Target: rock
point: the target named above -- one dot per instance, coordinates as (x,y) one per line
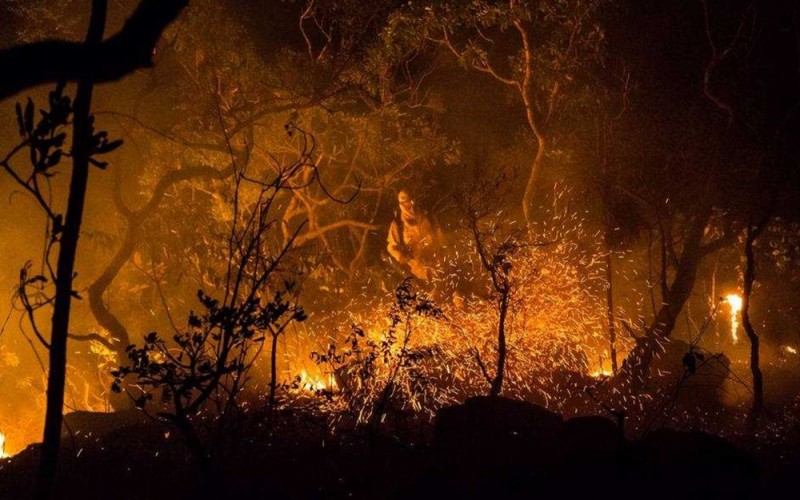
(590,435)
(497,447)
(676,464)
(590,464)
(498,426)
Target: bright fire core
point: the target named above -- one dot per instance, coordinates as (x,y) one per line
(735,302)
(3,446)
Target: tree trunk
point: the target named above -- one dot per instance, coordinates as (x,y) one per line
(533,179)
(136,219)
(68,245)
(749,279)
(210,480)
(612,332)
(497,383)
(100,311)
(637,364)
(273,381)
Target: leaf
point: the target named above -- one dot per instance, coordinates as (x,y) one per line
(29,116)
(53,159)
(99,164)
(108,147)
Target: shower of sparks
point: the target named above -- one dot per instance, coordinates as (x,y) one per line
(552,334)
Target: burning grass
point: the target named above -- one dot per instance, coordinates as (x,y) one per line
(419,362)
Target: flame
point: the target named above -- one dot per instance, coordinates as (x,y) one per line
(735,302)
(601,373)
(314,384)
(3,453)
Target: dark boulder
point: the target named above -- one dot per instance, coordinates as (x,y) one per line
(677,464)
(497,447)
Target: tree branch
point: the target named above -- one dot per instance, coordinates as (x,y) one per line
(51,61)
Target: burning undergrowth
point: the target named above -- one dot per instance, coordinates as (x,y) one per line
(436,343)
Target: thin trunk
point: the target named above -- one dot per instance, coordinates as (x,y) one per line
(533,179)
(273,381)
(749,279)
(65,268)
(497,383)
(100,311)
(685,275)
(535,122)
(210,480)
(135,219)
(612,332)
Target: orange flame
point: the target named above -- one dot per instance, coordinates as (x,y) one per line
(735,302)
(3,453)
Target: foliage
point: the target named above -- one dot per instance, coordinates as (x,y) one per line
(203,371)
(210,359)
(380,374)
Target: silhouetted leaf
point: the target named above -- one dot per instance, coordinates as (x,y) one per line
(29,116)
(108,147)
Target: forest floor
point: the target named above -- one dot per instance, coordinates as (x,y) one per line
(484,448)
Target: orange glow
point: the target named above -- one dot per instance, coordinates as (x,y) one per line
(602,373)
(316,384)
(735,302)
(3,453)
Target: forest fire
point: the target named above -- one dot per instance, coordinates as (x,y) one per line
(454,248)
(3,453)
(316,384)
(735,304)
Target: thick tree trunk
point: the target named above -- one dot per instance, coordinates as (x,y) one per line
(65,269)
(637,364)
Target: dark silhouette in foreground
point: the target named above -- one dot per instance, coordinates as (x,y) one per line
(488,447)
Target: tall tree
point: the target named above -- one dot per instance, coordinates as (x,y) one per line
(92,61)
(542,60)
(84,145)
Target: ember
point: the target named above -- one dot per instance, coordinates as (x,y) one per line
(384,248)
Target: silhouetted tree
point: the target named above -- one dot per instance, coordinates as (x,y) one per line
(377,375)
(201,375)
(44,139)
(496,241)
